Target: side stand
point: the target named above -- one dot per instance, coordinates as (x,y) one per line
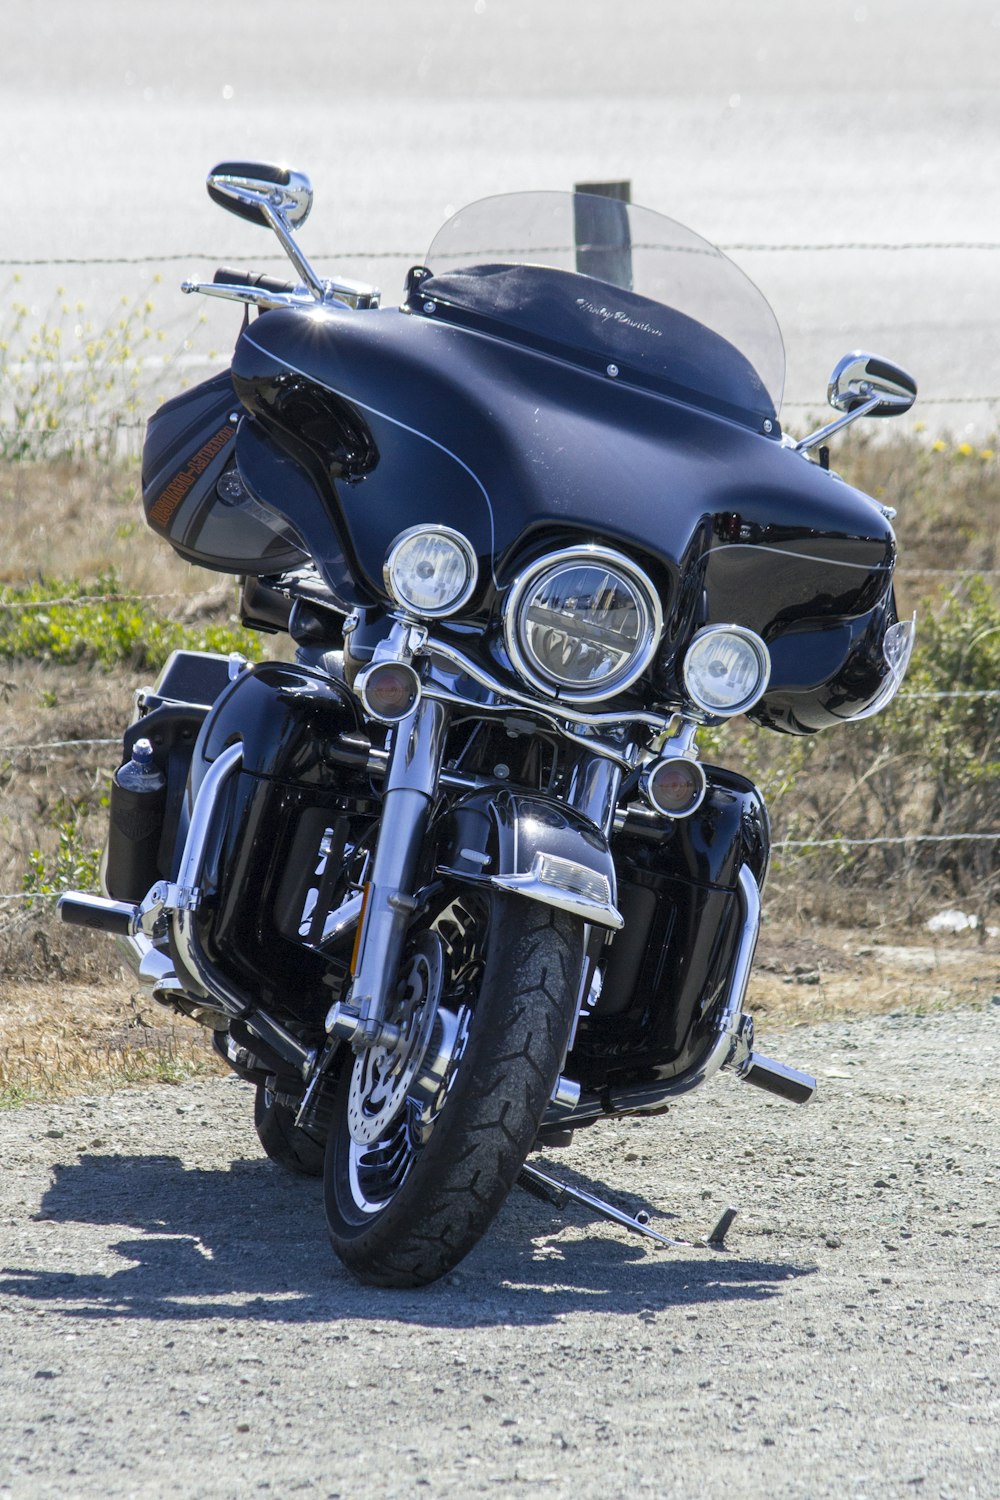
(551,1190)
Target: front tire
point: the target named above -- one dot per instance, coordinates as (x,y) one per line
(403,1209)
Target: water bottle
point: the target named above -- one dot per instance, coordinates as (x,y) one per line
(138,803)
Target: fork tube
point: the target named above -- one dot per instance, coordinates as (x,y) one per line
(410,787)
(593,789)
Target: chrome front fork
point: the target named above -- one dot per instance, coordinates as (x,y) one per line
(409,792)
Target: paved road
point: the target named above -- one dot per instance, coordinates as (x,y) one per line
(172,1322)
(776,123)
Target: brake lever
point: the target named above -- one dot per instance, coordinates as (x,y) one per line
(257,297)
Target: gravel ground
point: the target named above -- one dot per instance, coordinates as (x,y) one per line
(171,1321)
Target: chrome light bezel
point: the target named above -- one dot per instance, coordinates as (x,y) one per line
(744,704)
(462,545)
(638,584)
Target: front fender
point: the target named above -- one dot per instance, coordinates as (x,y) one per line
(534,846)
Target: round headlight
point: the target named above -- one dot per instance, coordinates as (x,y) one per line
(726,669)
(431,570)
(583,624)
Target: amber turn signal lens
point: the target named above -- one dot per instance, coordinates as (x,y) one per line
(675,786)
(388,690)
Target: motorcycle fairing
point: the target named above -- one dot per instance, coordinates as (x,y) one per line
(506,443)
(188,449)
(523,454)
(533,845)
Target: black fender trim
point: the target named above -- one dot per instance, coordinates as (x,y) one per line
(534,846)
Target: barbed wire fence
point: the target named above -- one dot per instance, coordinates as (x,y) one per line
(410,256)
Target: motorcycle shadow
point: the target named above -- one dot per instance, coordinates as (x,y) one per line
(249,1244)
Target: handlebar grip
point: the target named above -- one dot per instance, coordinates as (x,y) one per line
(227,276)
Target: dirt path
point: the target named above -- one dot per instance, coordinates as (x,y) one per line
(171,1322)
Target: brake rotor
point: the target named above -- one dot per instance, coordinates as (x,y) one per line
(381,1080)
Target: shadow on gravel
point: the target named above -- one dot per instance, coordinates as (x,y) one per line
(250,1243)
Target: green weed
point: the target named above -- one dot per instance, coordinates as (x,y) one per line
(73,866)
(94,623)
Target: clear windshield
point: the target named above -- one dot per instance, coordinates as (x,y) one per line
(598,279)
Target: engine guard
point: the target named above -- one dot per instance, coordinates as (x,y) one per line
(534,846)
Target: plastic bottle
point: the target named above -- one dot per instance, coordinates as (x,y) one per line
(138,802)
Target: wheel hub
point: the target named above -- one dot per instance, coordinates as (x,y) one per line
(381,1079)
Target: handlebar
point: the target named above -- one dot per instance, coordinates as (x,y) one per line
(227,276)
(266,292)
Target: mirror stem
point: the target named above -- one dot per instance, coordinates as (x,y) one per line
(291,249)
(815,438)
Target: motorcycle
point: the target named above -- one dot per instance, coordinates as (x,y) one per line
(454,881)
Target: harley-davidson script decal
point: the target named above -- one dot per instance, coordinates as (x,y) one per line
(612,315)
(182,481)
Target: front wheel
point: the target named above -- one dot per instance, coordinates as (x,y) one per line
(425,1147)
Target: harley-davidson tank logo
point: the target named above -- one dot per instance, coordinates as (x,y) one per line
(180,485)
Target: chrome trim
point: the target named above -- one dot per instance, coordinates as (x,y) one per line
(157,975)
(646,785)
(565,1093)
(411,785)
(593,789)
(463,545)
(552,712)
(342,920)
(540,884)
(555,1191)
(643,652)
(804,445)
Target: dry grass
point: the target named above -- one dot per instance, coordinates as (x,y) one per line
(60,1038)
(78,520)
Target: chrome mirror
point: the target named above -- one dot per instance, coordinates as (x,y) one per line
(858,379)
(863,385)
(261,192)
(275,197)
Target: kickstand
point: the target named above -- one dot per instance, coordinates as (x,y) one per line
(551,1190)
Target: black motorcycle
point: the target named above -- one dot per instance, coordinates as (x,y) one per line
(454,882)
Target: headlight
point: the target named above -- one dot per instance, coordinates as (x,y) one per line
(430,570)
(583,624)
(726,669)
